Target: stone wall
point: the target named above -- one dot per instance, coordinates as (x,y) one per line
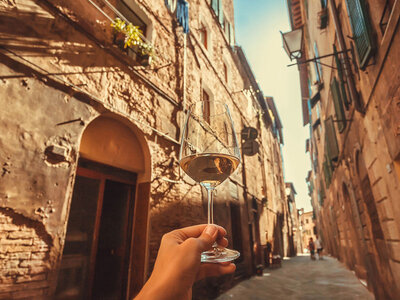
(357,216)
(59,71)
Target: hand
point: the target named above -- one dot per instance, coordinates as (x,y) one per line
(178,263)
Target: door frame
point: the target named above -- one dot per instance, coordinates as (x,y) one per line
(94,170)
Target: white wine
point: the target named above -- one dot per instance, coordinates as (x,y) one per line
(210,169)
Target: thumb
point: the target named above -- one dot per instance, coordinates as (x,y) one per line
(208,237)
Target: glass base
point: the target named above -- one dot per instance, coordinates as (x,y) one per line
(219,255)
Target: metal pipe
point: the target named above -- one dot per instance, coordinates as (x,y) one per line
(342,46)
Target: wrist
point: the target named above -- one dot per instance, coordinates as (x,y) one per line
(160,289)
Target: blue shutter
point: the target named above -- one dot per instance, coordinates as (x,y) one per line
(361,27)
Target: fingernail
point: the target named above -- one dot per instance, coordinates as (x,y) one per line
(210,230)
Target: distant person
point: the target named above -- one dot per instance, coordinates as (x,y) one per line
(311,248)
(319,247)
(268,250)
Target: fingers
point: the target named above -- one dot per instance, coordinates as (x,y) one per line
(212,270)
(196,230)
(223,242)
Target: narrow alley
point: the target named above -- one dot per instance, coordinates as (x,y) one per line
(302,278)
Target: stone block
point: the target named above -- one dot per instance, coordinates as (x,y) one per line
(10,264)
(390,230)
(385,210)
(28,278)
(31,263)
(38,270)
(394,250)
(38,255)
(20,235)
(19,255)
(8,227)
(16,242)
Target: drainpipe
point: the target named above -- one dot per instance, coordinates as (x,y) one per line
(342,46)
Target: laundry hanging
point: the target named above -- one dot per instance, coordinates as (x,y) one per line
(182,14)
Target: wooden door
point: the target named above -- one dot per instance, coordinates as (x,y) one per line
(97,250)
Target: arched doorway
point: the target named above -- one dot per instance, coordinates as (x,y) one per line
(104,253)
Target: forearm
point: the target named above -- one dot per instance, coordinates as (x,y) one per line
(163,290)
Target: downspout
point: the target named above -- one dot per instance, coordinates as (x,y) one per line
(342,46)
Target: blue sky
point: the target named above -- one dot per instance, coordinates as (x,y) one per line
(258,23)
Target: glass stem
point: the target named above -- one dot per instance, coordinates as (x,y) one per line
(210,192)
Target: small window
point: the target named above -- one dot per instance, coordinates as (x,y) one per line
(306,221)
(138,18)
(203,35)
(317,65)
(225,72)
(206,108)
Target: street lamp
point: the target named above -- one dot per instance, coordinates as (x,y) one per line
(293,42)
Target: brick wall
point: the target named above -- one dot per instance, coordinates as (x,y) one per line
(24,257)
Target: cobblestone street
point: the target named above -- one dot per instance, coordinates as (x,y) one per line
(301,278)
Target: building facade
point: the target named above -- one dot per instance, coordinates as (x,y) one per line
(89,133)
(296,238)
(350,78)
(308,229)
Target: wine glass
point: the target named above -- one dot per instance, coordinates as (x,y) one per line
(209,154)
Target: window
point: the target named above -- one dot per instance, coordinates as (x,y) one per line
(338,103)
(206,107)
(331,144)
(137,17)
(362,32)
(317,65)
(218,10)
(225,72)
(203,35)
(306,221)
(228,30)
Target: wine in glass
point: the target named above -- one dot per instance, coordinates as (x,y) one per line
(209,154)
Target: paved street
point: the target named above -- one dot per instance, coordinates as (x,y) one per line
(301,278)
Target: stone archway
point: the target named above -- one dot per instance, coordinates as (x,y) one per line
(106,239)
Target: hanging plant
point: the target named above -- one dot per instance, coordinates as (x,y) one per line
(133,38)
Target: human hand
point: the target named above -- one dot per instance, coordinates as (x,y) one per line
(178,263)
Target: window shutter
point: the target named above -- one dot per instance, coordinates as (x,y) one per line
(231,35)
(214,5)
(337,101)
(332,148)
(317,65)
(327,166)
(341,78)
(361,27)
(220,13)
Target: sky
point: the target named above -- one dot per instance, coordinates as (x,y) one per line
(258,23)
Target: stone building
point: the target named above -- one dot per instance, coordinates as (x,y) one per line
(307,228)
(350,79)
(89,143)
(296,238)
